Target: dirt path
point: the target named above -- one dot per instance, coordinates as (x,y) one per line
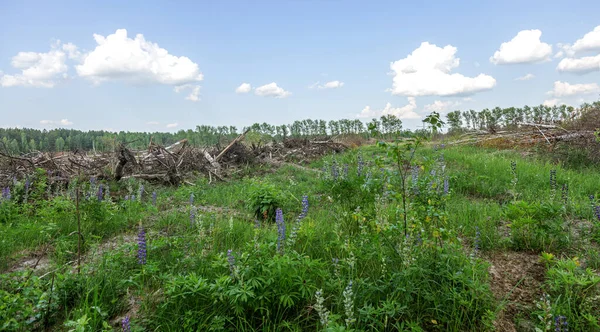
(516,279)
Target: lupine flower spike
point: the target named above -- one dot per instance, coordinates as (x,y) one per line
(142,246)
(231,261)
(126,325)
(280,229)
(100,193)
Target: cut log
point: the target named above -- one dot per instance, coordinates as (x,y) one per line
(239,138)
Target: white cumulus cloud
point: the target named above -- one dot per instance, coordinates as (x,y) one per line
(551,102)
(525,47)
(40,69)
(62,122)
(526,77)
(405,112)
(564,89)
(590,42)
(243,88)
(582,65)
(427,71)
(328,85)
(118,57)
(271,90)
(172,125)
(441,106)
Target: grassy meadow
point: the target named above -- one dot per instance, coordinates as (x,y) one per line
(382,237)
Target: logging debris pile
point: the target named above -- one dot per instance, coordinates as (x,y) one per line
(165,165)
(527,134)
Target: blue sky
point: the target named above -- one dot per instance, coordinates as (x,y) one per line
(294,44)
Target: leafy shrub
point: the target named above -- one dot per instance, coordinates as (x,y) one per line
(574,293)
(537,226)
(264,199)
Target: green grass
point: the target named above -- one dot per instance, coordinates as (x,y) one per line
(434,279)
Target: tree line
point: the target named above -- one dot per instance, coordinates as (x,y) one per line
(27,140)
(496,118)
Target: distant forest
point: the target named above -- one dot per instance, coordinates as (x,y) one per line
(23,141)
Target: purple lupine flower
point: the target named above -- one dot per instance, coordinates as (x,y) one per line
(125,324)
(132,198)
(142,246)
(560,324)
(334,171)
(231,261)
(192,199)
(443,146)
(597,212)
(6,193)
(140,192)
(345,171)
(593,201)
(93,181)
(192,216)
(415,173)
(280,229)
(154,198)
(304,212)
(446,186)
(419,239)
(27,185)
(126,197)
(99,193)
(360,166)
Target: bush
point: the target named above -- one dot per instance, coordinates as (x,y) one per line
(574,293)
(537,226)
(263,200)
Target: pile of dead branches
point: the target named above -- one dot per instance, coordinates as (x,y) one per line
(159,164)
(526,134)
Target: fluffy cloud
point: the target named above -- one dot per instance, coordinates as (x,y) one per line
(564,89)
(243,88)
(328,85)
(404,112)
(441,106)
(551,102)
(527,77)
(172,125)
(40,69)
(525,47)
(582,65)
(118,57)
(194,91)
(590,42)
(63,122)
(271,90)
(427,71)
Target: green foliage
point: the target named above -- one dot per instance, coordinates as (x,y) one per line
(434,122)
(24,301)
(392,244)
(574,293)
(537,226)
(263,200)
